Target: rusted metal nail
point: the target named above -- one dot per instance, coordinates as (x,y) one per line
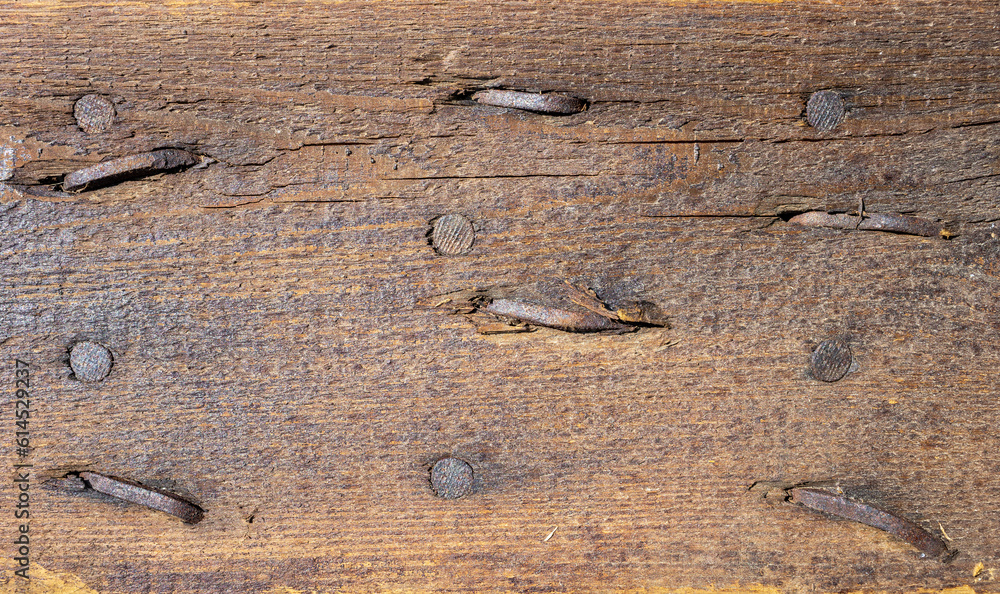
(831,360)
(555,317)
(557,310)
(594,315)
(825,110)
(90,361)
(452,234)
(840,505)
(136,493)
(94,113)
(126,168)
(823,219)
(897,223)
(892,223)
(537,102)
(451,478)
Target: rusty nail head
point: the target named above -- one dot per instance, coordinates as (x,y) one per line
(451,478)
(825,110)
(537,102)
(94,113)
(452,234)
(831,360)
(90,361)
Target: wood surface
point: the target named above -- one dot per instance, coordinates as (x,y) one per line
(279,359)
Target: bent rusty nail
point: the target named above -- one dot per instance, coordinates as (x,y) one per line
(553,317)
(127,168)
(537,102)
(897,223)
(136,493)
(838,504)
(594,316)
(892,223)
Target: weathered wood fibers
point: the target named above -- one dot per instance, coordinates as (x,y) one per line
(285,374)
(275,361)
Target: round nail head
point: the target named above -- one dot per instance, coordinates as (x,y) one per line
(451,478)
(90,361)
(452,235)
(831,360)
(825,110)
(94,113)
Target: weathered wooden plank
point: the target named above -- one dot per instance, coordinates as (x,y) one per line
(691,57)
(334,446)
(948,175)
(280,361)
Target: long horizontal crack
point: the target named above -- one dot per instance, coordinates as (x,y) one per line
(967,179)
(709,216)
(919,132)
(270,200)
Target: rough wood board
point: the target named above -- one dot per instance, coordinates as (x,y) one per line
(278,358)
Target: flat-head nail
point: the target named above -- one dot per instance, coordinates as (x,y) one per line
(452,235)
(94,113)
(451,478)
(825,110)
(90,361)
(831,360)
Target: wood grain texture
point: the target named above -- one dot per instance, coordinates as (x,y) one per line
(279,361)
